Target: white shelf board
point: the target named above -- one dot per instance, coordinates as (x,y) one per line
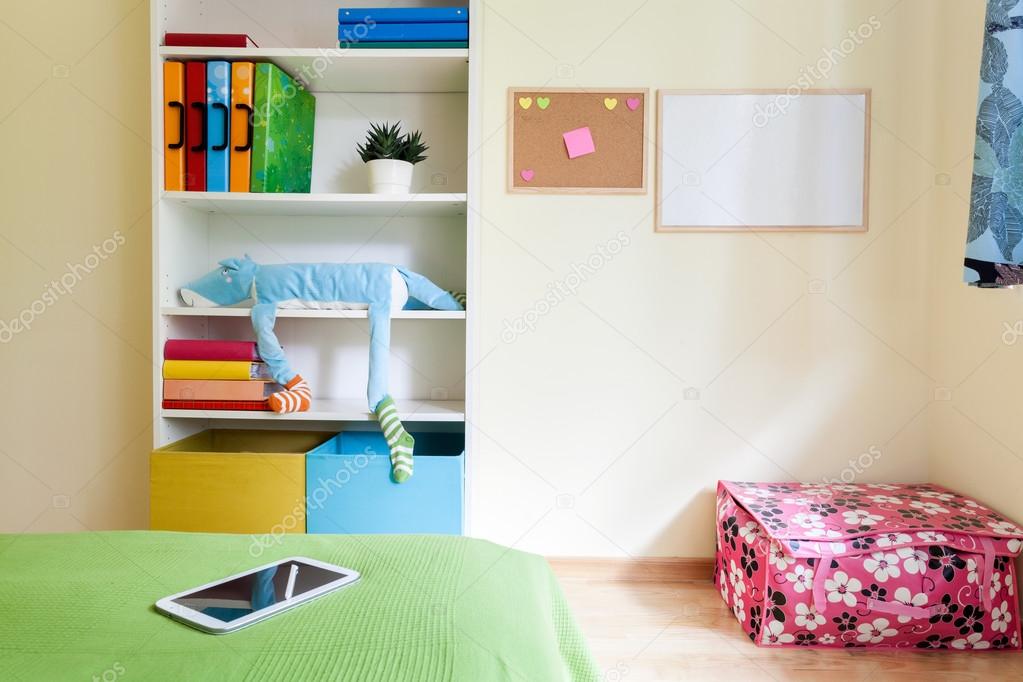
(352,70)
(325,314)
(340,410)
(376,205)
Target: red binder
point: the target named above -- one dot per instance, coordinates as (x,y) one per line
(195,126)
(208,40)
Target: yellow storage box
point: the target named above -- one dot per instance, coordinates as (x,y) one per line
(232,481)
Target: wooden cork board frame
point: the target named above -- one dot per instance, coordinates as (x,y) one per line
(536,146)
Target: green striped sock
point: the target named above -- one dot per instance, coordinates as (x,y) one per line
(399,440)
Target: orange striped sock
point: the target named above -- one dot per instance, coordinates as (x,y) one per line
(296,397)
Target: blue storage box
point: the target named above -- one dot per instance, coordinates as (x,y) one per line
(349,487)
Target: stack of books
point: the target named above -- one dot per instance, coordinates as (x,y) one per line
(403,27)
(215,375)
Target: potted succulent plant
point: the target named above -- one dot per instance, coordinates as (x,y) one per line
(390,157)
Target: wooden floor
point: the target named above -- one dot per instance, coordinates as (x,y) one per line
(661,630)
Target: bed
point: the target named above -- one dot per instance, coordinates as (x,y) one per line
(80,606)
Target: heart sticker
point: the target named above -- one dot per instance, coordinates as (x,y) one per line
(527,175)
(543,102)
(525,102)
(632,103)
(610,103)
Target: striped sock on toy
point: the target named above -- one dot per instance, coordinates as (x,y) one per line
(398,439)
(296,397)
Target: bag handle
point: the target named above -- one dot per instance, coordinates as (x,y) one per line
(820,599)
(900,609)
(989,570)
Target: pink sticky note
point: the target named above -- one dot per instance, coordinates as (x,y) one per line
(579,142)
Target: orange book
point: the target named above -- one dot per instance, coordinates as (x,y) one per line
(242,86)
(174,126)
(213,389)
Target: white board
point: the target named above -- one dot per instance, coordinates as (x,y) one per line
(737,160)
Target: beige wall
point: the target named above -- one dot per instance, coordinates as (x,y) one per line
(74,133)
(586,441)
(976,440)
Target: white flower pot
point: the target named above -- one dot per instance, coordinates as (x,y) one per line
(389,176)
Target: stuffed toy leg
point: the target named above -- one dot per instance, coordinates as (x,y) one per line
(375,287)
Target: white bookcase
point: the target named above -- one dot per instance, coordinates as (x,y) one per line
(430,231)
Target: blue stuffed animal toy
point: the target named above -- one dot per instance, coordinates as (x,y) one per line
(375,287)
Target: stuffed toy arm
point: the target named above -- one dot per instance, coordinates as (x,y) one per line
(264,316)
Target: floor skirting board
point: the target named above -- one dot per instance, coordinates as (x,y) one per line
(635,569)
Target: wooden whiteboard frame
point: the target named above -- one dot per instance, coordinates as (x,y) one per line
(865,92)
(512,189)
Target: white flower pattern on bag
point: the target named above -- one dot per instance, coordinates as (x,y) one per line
(875,632)
(801,578)
(779,558)
(914,561)
(861,517)
(841,588)
(807,617)
(883,566)
(931,508)
(973,641)
(775,634)
(1000,617)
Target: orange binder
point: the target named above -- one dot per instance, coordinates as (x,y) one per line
(174,126)
(242,86)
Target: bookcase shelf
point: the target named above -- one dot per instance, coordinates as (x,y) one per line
(352,70)
(337,205)
(314,314)
(339,410)
(435,91)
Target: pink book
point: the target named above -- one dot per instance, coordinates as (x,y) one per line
(202,349)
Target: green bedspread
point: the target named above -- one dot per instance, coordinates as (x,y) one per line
(80,607)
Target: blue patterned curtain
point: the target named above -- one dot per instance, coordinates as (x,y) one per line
(993,251)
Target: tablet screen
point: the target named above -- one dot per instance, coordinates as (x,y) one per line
(258,590)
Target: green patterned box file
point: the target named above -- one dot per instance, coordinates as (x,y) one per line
(282,133)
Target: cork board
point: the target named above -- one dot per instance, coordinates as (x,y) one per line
(577,141)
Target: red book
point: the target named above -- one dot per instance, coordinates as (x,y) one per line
(201,349)
(208,40)
(243,405)
(195,126)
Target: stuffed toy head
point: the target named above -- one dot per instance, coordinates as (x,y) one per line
(229,284)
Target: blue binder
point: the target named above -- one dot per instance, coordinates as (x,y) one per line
(402,15)
(374,33)
(218,126)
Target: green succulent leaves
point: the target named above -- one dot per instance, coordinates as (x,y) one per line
(386,141)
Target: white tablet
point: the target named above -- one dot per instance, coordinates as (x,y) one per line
(240,600)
